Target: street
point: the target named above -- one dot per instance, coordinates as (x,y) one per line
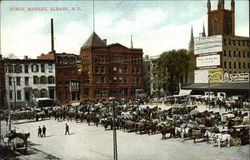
(91,142)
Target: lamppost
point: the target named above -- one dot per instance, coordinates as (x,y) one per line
(112,99)
(209,78)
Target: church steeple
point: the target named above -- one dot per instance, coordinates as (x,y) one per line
(131,43)
(191,42)
(221,21)
(203,32)
(208,5)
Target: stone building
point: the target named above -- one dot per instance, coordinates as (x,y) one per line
(109,70)
(27,79)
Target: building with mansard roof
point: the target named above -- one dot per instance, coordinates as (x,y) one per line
(109,70)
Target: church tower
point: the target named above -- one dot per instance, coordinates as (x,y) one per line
(221,21)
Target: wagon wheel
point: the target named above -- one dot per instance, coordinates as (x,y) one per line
(236,141)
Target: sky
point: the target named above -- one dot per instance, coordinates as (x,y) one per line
(156,26)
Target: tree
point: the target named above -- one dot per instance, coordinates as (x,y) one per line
(171,69)
(11,56)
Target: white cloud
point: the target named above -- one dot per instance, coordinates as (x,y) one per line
(24,38)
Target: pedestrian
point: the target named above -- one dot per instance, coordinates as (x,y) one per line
(67,129)
(44,131)
(39,131)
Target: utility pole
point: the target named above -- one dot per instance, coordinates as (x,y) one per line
(208,92)
(114,130)
(9,108)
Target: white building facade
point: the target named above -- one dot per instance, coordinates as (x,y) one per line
(28,79)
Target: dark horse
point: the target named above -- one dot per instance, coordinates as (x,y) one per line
(13,134)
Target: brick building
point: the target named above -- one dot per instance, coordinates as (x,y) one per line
(222,58)
(109,70)
(67,83)
(2,84)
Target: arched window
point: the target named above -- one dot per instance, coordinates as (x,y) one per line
(59,60)
(216,27)
(228,26)
(35,93)
(66,60)
(43,80)
(43,93)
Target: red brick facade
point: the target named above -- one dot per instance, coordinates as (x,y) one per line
(66,75)
(110,71)
(221,21)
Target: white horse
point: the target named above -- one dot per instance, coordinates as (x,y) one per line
(222,138)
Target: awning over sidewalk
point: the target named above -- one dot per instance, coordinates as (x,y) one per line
(224,86)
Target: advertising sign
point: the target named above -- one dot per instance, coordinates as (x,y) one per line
(236,77)
(213,60)
(215,75)
(209,44)
(201,76)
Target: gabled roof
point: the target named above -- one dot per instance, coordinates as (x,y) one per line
(93,41)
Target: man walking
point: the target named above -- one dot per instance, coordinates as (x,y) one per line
(67,129)
(39,131)
(44,131)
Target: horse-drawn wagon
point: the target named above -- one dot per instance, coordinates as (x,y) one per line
(16,141)
(240,135)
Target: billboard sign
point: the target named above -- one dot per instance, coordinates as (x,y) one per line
(204,45)
(215,75)
(204,61)
(236,77)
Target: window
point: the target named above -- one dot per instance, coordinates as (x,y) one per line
(18,68)
(244,65)
(229,53)
(26,81)
(235,65)
(225,53)
(10,68)
(50,80)
(35,68)
(225,64)
(85,92)
(228,26)
(43,93)
(239,54)
(42,68)
(230,65)
(244,55)
(26,68)
(19,95)
(11,94)
(43,80)
(239,65)
(35,80)
(36,93)
(50,68)
(10,81)
(125,79)
(234,53)
(215,27)
(18,81)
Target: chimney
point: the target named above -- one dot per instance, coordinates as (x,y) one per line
(105,41)
(25,57)
(52,36)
